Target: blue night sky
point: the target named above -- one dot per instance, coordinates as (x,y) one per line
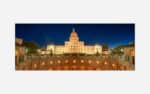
(109,34)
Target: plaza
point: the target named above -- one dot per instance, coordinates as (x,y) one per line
(74,63)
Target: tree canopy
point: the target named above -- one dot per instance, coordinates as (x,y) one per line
(31,47)
(117,50)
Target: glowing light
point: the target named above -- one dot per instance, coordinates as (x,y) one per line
(90,61)
(97,62)
(113,65)
(17,53)
(66,61)
(51,62)
(35,65)
(82,61)
(105,63)
(74,61)
(58,61)
(43,63)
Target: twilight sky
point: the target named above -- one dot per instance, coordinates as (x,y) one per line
(109,34)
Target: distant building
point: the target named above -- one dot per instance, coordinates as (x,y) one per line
(74,46)
(105,50)
(18,41)
(129,53)
(19,50)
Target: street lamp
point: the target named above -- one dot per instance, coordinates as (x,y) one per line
(26,50)
(121,50)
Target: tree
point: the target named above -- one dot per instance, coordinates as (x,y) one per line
(31,47)
(118,49)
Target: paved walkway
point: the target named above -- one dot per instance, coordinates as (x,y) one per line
(73,63)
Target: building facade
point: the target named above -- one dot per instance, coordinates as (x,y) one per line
(74,46)
(129,54)
(19,50)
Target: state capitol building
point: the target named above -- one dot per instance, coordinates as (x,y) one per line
(74,46)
